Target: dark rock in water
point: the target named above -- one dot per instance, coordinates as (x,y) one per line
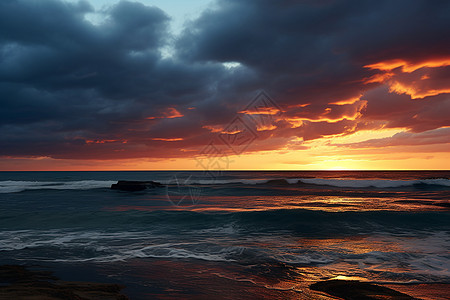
(131,186)
(276,182)
(17,282)
(356,290)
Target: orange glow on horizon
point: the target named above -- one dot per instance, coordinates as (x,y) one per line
(327,153)
(292,160)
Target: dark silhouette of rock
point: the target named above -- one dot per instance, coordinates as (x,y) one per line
(356,290)
(131,186)
(276,182)
(17,282)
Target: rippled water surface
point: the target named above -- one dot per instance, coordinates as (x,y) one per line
(212,235)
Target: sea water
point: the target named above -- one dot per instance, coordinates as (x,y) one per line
(231,235)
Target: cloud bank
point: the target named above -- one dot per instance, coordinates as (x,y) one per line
(71,89)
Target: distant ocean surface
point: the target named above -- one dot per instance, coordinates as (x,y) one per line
(234,234)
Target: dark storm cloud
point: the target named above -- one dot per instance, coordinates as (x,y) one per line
(317,48)
(73,89)
(65,80)
(316,52)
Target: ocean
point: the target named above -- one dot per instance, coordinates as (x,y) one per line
(233,234)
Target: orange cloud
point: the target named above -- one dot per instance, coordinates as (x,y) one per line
(170,113)
(414,92)
(299,105)
(236,131)
(261,111)
(213,129)
(349,110)
(173,113)
(378,78)
(266,127)
(390,65)
(346,101)
(404,77)
(387,65)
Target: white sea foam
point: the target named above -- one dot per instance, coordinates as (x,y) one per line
(12,186)
(418,257)
(175,251)
(378,183)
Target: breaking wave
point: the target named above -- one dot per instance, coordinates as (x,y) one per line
(347,183)
(12,186)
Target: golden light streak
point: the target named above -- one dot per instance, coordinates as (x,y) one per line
(351,116)
(297,122)
(395,158)
(231,131)
(364,135)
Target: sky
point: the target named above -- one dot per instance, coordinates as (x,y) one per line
(206,85)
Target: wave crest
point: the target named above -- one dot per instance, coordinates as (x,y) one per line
(12,186)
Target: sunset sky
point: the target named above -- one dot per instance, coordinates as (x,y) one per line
(257,84)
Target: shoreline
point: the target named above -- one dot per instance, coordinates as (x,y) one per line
(20,282)
(33,282)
